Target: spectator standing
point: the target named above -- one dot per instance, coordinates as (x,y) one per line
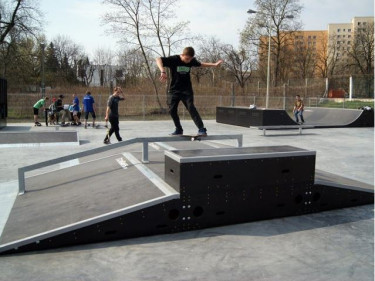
(112,114)
(38,105)
(89,107)
(76,110)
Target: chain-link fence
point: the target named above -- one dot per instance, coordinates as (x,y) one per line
(147,107)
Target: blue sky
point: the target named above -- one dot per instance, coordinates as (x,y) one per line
(224,19)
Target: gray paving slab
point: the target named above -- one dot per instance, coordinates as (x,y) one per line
(27,138)
(334,245)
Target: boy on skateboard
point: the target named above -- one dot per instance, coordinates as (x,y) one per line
(298,109)
(180,88)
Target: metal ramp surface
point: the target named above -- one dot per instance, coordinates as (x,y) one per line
(66,199)
(322,117)
(95,189)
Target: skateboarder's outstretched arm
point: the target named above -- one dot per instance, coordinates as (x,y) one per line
(211,64)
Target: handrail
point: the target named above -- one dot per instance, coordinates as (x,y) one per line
(145,141)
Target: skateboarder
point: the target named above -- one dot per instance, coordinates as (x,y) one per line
(298,109)
(112,114)
(180,88)
(89,107)
(39,104)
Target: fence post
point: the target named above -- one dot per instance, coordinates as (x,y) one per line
(351,88)
(284,96)
(143,108)
(306,83)
(100,107)
(233,96)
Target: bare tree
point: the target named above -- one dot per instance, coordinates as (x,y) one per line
(68,54)
(22,15)
(279,25)
(209,49)
(145,25)
(103,56)
(362,50)
(304,61)
(238,63)
(133,63)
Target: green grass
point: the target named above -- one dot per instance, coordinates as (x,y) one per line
(346,104)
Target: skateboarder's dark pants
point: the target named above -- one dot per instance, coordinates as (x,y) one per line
(114,128)
(187,98)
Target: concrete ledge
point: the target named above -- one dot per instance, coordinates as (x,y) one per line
(37,139)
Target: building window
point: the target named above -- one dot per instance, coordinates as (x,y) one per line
(349,36)
(349,30)
(343,30)
(314,37)
(338,30)
(348,42)
(364,23)
(338,42)
(338,36)
(343,36)
(359,23)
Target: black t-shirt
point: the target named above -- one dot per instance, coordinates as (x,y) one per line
(58,104)
(113,105)
(180,72)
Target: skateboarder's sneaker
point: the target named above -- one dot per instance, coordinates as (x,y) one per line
(38,124)
(177,132)
(202,132)
(107,141)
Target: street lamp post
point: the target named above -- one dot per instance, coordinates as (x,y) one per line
(269,51)
(42,46)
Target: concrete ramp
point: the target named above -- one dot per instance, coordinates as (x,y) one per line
(318,117)
(322,117)
(89,193)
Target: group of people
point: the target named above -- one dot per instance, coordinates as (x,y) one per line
(180,90)
(57,109)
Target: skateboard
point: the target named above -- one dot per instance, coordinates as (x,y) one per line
(97,126)
(194,137)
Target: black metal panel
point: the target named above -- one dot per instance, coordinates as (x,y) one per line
(3,103)
(246,117)
(366,119)
(215,206)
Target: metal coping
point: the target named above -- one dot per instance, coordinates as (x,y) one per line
(241,154)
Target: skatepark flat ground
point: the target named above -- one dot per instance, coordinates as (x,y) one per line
(334,245)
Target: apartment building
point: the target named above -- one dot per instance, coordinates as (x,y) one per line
(323,45)
(341,36)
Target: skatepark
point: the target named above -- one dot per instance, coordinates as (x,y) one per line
(331,244)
